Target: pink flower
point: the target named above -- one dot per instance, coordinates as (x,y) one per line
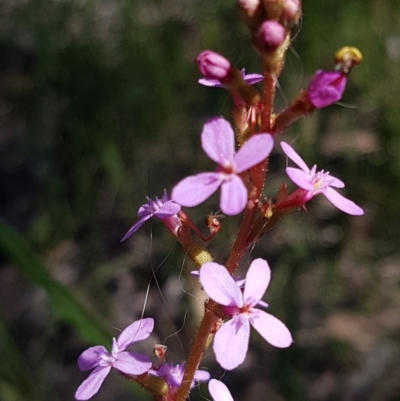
(166,210)
(250,79)
(315,183)
(219,391)
(232,340)
(101,361)
(173,375)
(326,88)
(218,141)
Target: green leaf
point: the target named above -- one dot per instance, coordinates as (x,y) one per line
(16,382)
(65,302)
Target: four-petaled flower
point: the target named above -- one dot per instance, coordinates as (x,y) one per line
(101,361)
(232,339)
(173,375)
(315,182)
(166,210)
(218,142)
(250,79)
(219,391)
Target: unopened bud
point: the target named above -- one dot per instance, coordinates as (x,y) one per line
(270,35)
(326,88)
(291,12)
(249,7)
(213,66)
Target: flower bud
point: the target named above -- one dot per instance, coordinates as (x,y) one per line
(270,35)
(326,88)
(291,12)
(249,7)
(213,66)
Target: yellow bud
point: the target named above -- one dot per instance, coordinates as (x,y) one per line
(346,58)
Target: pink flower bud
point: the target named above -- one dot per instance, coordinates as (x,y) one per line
(291,10)
(326,88)
(212,65)
(249,6)
(271,35)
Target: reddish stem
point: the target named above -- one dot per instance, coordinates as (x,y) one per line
(238,249)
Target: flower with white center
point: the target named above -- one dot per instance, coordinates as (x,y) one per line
(101,361)
(318,182)
(232,339)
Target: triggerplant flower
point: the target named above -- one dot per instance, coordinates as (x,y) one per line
(173,375)
(232,339)
(250,79)
(318,182)
(218,141)
(219,391)
(166,210)
(101,361)
(326,88)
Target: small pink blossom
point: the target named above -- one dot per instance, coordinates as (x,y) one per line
(166,210)
(101,361)
(219,391)
(232,339)
(218,141)
(318,182)
(326,88)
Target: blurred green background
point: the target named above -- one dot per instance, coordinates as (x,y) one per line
(99,107)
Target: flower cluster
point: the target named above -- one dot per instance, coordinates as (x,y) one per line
(240,150)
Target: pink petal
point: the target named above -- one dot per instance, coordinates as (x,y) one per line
(257,280)
(210,82)
(233,196)
(218,391)
(232,341)
(292,154)
(254,151)
(335,182)
(137,331)
(300,178)
(270,328)
(92,384)
(201,375)
(91,357)
(132,363)
(192,191)
(342,203)
(168,209)
(135,227)
(219,285)
(218,140)
(252,79)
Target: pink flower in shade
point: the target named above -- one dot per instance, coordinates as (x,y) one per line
(166,210)
(218,141)
(250,79)
(326,88)
(318,182)
(101,361)
(232,339)
(219,391)
(173,375)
